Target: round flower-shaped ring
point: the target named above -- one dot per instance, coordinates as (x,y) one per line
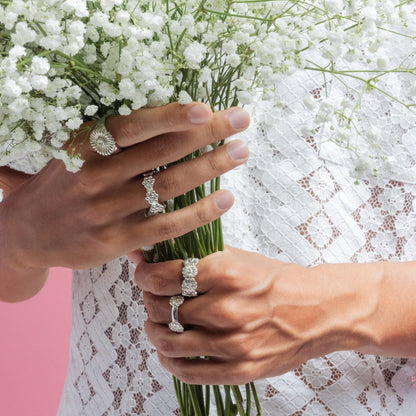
(102,141)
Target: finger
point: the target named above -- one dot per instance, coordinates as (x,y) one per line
(145,123)
(197,311)
(136,257)
(168,148)
(215,310)
(160,312)
(175,181)
(137,231)
(162,279)
(141,125)
(201,371)
(190,343)
(165,278)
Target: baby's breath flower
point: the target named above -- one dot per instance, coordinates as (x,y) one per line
(194,54)
(11,89)
(40,66)
(91,110)
(66,61)
(124,110)
(184,98)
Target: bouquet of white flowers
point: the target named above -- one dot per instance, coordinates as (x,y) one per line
(64,62)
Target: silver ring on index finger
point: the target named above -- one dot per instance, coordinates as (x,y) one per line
(189,272)
(102,141)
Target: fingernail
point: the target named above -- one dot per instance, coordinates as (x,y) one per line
(134,257)
(239,119)
(224,200)
(238,150)
(199,114)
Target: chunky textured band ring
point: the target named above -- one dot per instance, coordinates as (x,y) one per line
(152,196)
(189,272)
(175,302)
(102,141)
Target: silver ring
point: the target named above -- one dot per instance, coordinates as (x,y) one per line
(102,141)
(189,272)
(175,302)
(152,196)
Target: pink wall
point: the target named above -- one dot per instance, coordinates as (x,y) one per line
(34,349)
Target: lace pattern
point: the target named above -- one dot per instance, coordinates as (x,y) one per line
(291,204)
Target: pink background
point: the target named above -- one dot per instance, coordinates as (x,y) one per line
(34,349)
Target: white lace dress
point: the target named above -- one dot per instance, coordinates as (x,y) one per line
(293,203)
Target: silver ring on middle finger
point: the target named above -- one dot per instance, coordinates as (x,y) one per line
(152,197)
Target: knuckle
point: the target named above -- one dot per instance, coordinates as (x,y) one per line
(167,229)
(203,213)
(170,118)
(166,183)
(221,347)
(157,283)
(214,162)
(185,375)
(222,314)
(232,275)
(241,347)
(213,132)
(131,130)
(103,238)
(88,179)
(97,212)
(162,146)
(153,309)
(140,277)
(166,347)
(235,345)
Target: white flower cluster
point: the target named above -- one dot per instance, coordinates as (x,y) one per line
(65,61)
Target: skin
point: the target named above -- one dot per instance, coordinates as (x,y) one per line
(82,220)
(257,317)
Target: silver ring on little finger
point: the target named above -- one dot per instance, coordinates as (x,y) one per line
(175,325)
(102,141)
(189,272)
(152,197)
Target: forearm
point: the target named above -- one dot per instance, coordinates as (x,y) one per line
(394,323)
(378,304)
(17,281)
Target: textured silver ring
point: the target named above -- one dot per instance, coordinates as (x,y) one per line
(189,272)
(152,196)
(175,302)
(102,141)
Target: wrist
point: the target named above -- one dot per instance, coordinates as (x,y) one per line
(349,296)
(392,327)
(18,280)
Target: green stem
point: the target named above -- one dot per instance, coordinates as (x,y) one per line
(238,400)
(256,398)
(218,401)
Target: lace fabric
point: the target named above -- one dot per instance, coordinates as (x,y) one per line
(293,203)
